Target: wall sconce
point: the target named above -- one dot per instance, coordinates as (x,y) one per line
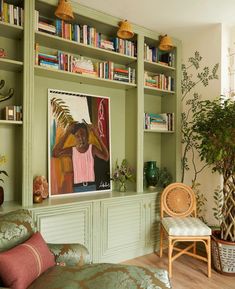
(165,43)
(64,10)
(125,30)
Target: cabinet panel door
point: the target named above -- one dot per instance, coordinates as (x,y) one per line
(152,223)
(122,229)
(66,225)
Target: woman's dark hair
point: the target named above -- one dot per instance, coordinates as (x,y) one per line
(79,125)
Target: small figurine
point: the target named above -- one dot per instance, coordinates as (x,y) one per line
(40,187)
(2,53)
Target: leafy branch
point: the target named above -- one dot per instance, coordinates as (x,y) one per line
(61,112)
(187,83)
(193,105)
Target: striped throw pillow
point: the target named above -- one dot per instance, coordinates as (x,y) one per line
(20,266)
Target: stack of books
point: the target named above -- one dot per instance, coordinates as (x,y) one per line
(159,122)
(48,60)
(12,14)
(159,81)
(106,44)
(122,74)
(44,24)
(13,112)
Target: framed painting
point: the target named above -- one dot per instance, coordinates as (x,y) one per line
(79,143)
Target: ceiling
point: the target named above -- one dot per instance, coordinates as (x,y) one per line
(171,16)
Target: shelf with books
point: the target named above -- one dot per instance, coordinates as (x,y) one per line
(158,131)
(91,68)
(157,67)
(157,91)
(11,65)
(12,13)
(75,77)
(11,30)
(59,43)
(152,54)
(161,122)
(17,122)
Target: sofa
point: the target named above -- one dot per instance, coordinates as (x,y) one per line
(26,261)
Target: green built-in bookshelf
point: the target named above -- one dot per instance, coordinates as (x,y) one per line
(25,144)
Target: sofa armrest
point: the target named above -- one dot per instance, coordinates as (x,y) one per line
(70,254)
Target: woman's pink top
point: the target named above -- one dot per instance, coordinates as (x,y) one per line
(83,166)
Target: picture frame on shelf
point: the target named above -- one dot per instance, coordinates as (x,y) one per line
(79,143)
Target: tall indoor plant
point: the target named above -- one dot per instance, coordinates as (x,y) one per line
(214,126)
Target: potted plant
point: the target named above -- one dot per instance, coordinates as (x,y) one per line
(214,126)
(2,172)
(121,174)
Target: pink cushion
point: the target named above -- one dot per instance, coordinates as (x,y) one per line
(20,266)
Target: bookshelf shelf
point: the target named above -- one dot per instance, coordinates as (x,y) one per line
(155,67)
(14,122)
(11,65)
(69,76)
(157,91)
(157,131)
(70,46)
(11,31)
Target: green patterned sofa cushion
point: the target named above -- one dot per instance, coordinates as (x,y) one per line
(70,254)
(15,228)
(102,276)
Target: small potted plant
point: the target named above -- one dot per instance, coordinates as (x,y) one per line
(121,174)
(2,172)
(214,126)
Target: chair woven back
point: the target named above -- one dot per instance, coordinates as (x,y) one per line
(178,200)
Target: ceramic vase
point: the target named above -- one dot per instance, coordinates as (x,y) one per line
(122,187)
(151,173)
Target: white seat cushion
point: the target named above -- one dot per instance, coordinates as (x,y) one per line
(188,226)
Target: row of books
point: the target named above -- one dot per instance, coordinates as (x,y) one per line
(12,112)
(12,14)
(78,64)
(108,71)
(83,34)
(153,54)
(159,122)
(160,81)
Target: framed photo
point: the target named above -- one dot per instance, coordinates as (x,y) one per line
(79,143)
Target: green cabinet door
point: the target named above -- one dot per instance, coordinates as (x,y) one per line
(122,229)
(66,224)
(152,219)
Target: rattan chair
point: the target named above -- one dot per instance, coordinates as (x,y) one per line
(180,224)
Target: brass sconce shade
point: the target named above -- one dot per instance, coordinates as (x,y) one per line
(64,10)
(125,30)
(165,43)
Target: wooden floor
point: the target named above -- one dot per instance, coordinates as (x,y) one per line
(188,273)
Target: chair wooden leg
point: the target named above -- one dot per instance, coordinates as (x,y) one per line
(170,250)
(195,248)
(161,242)
(209,257)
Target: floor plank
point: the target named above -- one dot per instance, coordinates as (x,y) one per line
(188,273)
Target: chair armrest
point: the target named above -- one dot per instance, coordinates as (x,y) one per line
(70,254)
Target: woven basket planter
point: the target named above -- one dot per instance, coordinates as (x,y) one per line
(223,255)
